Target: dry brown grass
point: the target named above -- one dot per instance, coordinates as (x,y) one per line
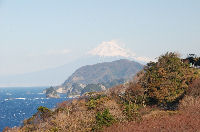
(194,88)
(189,103)
(77,116)
(179,122)
(114,108)
(187,119)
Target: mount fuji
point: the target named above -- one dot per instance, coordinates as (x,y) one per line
(111,49)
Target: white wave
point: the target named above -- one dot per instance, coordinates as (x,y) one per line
(40,93)
(21,98)
(3,117)
(8,94)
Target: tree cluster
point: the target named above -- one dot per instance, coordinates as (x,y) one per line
(167,80)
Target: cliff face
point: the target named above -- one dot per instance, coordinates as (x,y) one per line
(99,77)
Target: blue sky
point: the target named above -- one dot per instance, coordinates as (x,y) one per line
(39,34)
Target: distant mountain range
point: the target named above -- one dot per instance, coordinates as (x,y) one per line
(53,76)
(105,52)
(99,77)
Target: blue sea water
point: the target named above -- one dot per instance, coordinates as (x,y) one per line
(17,104)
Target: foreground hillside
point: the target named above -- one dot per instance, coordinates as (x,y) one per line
(165,97)
(99,77)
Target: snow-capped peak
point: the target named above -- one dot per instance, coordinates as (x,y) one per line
(111,49)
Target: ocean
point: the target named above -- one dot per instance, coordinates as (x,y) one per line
(19,103)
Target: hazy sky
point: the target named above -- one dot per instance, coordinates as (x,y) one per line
(38,34)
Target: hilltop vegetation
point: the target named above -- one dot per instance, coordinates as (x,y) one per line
(165,97)
(104,72)
(102,75)
(107,74)
(167,80)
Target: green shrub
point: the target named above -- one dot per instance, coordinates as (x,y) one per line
(94,101)
(55,129)
(91,104)
(166,81)
(44,112)
(103,119)
(133,100)
(135,94)
(131,111)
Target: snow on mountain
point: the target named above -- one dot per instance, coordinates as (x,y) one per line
(112,49)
